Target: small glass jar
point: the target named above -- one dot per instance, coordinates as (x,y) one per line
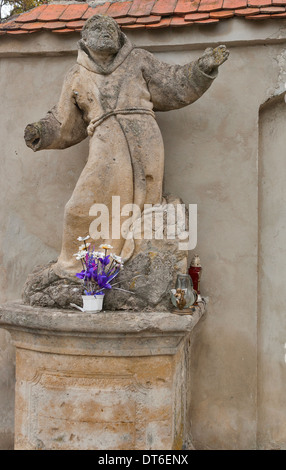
(183,296)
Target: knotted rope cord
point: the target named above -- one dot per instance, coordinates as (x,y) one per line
(94,123)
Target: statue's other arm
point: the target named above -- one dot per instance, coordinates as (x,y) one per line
(176,86)
(63,126)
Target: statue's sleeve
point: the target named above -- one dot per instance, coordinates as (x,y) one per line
(174,86)
(63,126)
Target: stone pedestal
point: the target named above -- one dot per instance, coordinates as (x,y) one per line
(114,380)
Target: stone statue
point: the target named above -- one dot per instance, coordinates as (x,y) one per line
(111,95)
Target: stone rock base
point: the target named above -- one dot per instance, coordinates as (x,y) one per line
(148,276)
(44,288)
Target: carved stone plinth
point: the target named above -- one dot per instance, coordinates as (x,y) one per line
(114,380)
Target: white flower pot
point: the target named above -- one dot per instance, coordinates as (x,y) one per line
(92,304)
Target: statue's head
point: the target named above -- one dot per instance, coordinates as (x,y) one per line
(102,34)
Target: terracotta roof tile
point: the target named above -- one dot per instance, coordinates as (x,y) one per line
(19,31)
(118,9)
(35,26)
(53,25)
(75,24)
(222,14)
(74,12)
(162,24)
(134,26)
(258,3)
(260,17)
(32,15)
(98,10)
(233,4)
(179,21)
(52,13)
(10,25)
(279,15)
(197,16)
(64,31)
(208,21)
(140,14)
(186,6)
(126,21)
(272,9)
(247,11)
(148,19)
(164,7)
(210,5)
(141,7)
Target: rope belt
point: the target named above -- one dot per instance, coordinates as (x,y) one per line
(94,123)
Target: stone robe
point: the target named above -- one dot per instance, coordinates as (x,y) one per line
(115,106)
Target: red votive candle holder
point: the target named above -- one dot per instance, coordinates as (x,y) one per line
(195,272)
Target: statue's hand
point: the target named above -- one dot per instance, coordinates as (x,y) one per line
(32,136)
(213,58)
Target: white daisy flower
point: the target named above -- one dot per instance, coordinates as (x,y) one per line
(83,247)
(118,259)
(106,247)
(98,254)
(82,239)
(80,254)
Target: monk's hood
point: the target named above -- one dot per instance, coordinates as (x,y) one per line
(85,59)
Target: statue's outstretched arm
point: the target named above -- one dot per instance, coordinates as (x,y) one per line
(212,59)
(176,86)
(63,126)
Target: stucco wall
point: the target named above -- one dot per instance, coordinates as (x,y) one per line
(212,159)
(34,190)
(272,274)
(216,166)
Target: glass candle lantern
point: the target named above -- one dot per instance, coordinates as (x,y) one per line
(183,296)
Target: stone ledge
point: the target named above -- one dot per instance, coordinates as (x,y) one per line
(109,333)
(61,321)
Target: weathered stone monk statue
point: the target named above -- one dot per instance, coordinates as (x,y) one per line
(111,95)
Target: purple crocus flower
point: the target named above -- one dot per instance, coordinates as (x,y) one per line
(105,261)
(85,274)
(102,281)
(81,275)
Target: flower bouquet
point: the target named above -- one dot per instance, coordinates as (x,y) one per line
(99,270)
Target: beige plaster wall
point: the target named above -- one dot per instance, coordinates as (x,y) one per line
(34,190)
(272,275)
(212,160)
